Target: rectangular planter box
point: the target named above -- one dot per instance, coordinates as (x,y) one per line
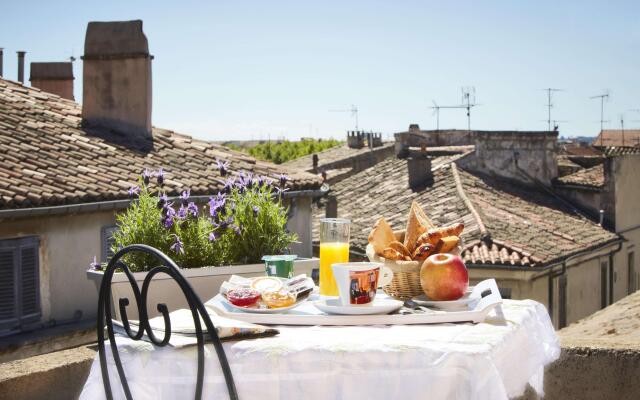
(205,281)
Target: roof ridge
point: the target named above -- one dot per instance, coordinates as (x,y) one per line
(484,234)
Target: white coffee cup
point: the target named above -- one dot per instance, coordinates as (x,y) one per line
(358,281)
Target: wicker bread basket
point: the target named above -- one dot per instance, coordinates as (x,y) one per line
(406,274)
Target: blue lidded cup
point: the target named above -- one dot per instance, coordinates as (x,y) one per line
(279,265)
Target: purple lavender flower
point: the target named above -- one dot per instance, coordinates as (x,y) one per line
(182,212)
(134,191)
(217,204)
(247,180)
(167,221)
(177,246)
(160,176)
(192,209)
(256,210)
(169,213)
(222,167)
(162,200)
(229,185)
(146,175)
(283,178)
(184,196)
(225,224)
(95,265)
(168,209)
(260,181)
(280,191)
(236,229)
(213,237)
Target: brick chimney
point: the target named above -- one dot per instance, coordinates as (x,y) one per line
(419,170)
(21,66)
(116,93)
(53,77)
(355,139)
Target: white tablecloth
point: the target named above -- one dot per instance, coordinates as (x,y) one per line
(491,360)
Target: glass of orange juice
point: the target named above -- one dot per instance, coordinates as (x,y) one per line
(334,248)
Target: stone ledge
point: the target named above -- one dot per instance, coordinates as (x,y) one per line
(41,341)
(57,375)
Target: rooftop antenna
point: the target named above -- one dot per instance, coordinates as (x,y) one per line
(468,102)
(603,97)
(622,127)
(550,104)
(436,110)
(354,113)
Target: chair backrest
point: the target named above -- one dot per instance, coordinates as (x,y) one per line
(166,266)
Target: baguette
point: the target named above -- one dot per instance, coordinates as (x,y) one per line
(449,243)
(434,235)
(423,251)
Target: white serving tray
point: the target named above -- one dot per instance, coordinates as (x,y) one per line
(308,314)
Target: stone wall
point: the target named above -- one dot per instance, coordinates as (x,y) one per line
(517,155)
(415,137)
(359,162)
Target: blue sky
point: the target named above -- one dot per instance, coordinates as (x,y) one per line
(258,69)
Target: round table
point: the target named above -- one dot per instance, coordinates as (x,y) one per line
(495,359)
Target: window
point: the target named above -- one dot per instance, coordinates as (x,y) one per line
(107,242)
(604,266)
(19,283)
(633,283)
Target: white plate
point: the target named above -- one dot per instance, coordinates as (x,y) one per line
(460,304)
(262,310)
(379,306)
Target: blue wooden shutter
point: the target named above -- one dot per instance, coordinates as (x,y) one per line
(107,242)
(8,287)
(19,282)
(29,281)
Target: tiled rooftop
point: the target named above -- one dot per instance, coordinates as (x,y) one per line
(618,137)
(504,224)
(329,156)
(47,158)
(589,177)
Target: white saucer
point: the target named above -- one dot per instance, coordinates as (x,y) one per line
(460,304)
(379,306)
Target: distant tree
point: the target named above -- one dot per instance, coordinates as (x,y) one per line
(284,151)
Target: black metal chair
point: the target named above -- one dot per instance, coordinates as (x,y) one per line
(166,266)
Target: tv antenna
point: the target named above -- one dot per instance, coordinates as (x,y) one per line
(468,102)
(550,104)
(436,110)
(354,113)
(622,127)
(603,97)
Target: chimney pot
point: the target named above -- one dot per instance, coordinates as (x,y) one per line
(116,93)
(53,77)
(21,66)
(1,59)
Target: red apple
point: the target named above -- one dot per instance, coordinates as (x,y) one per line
(444,277)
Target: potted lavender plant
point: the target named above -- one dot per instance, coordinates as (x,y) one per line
(228,235)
